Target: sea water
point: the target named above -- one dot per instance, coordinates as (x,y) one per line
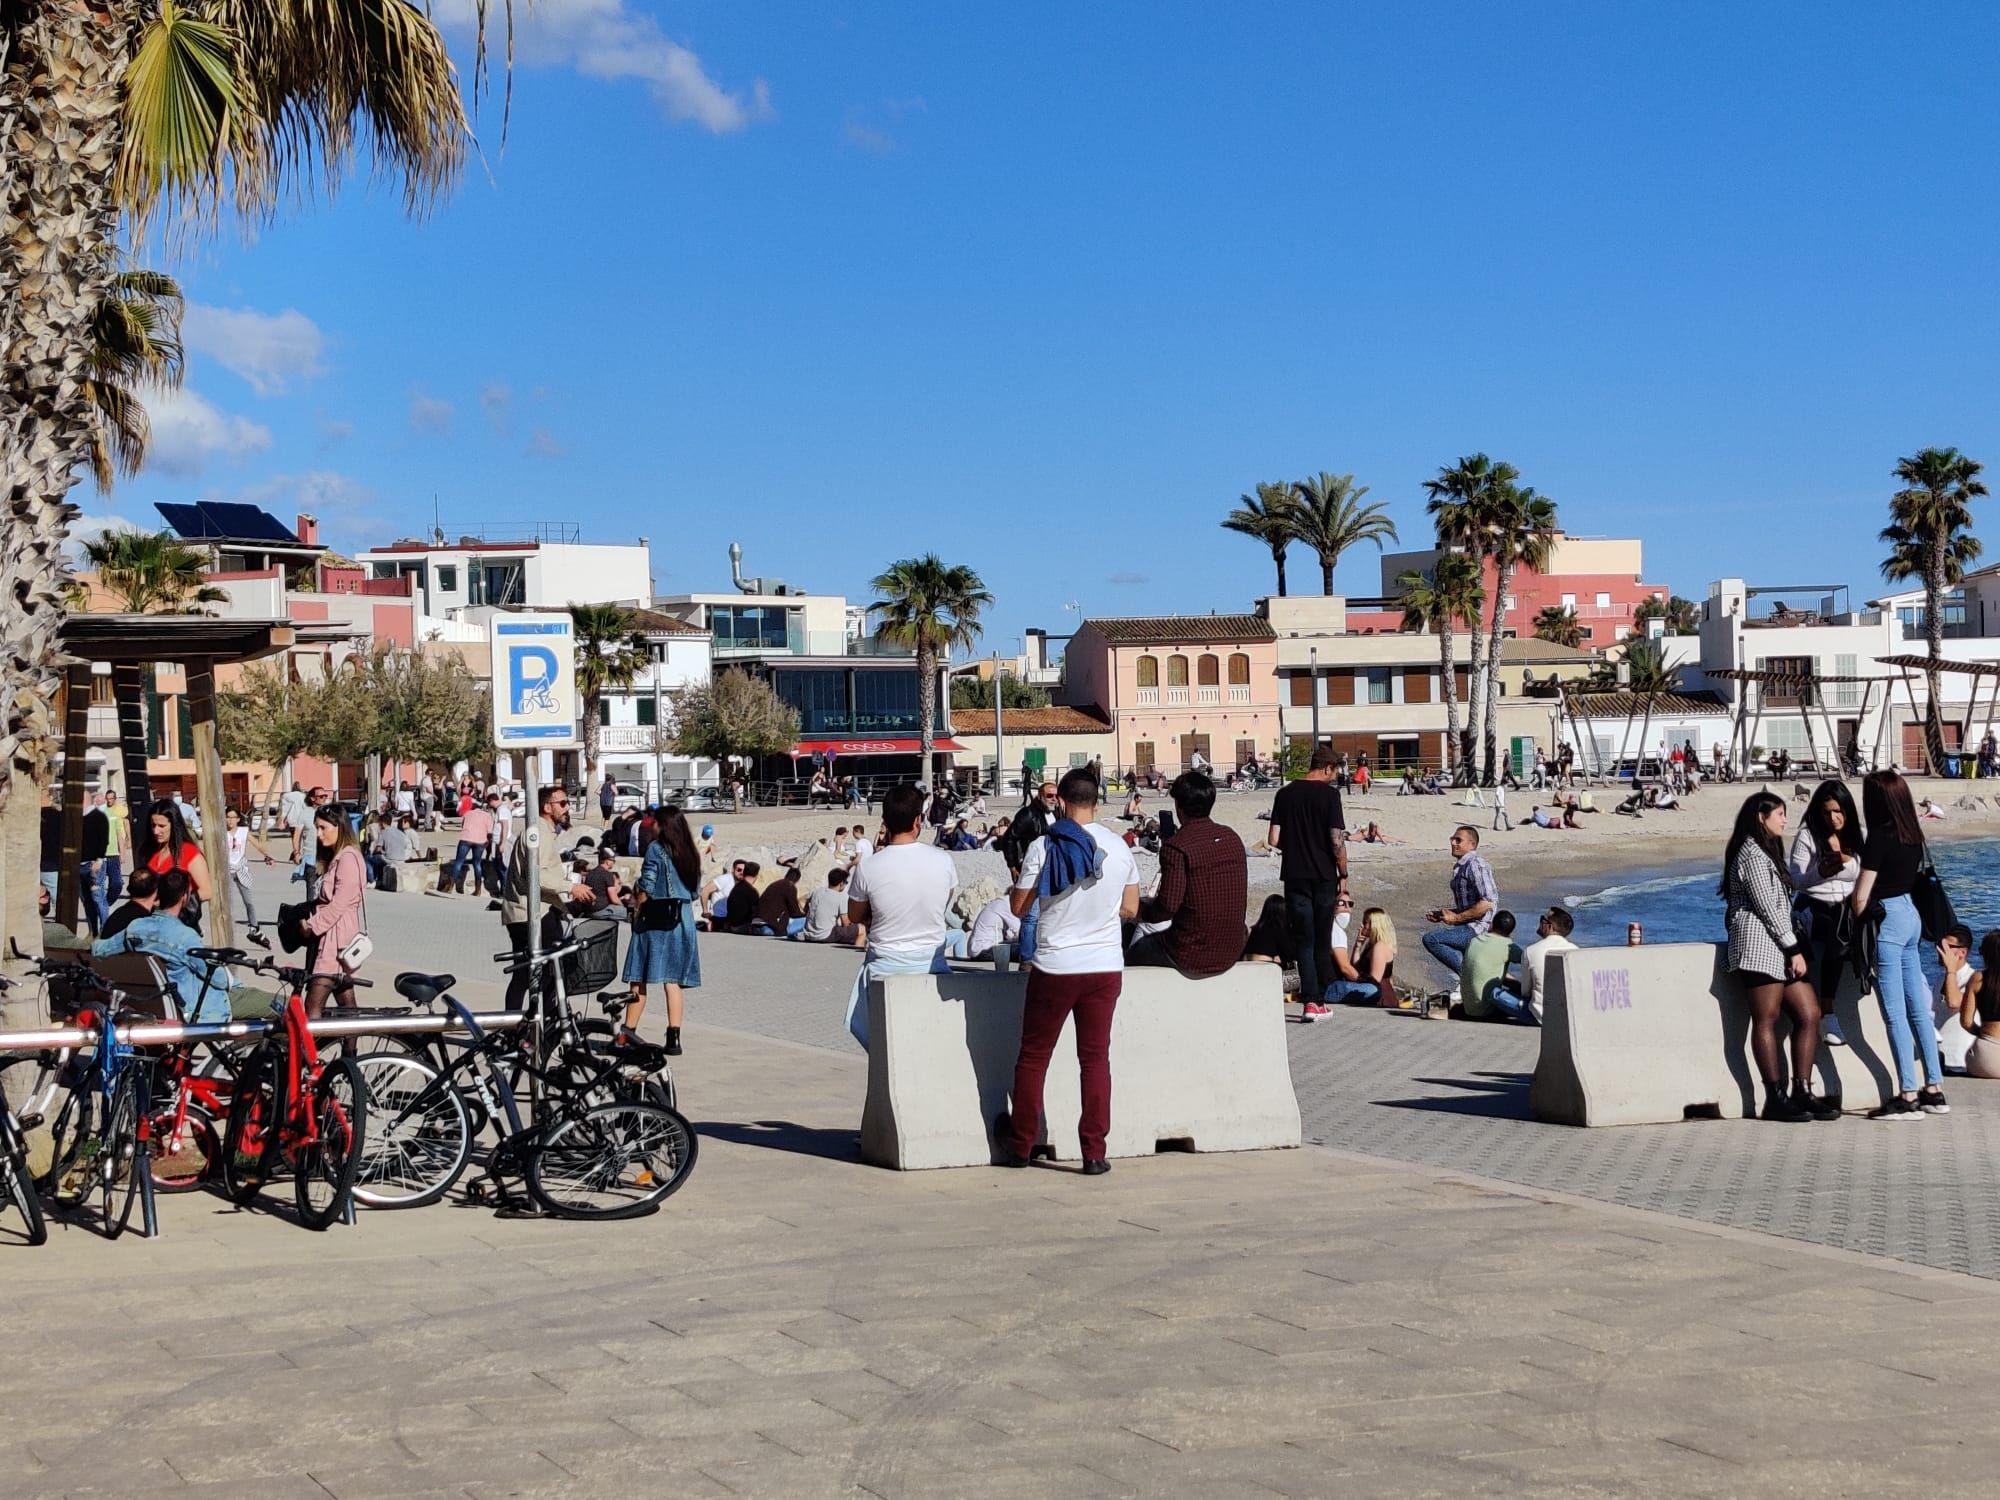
(1680,904)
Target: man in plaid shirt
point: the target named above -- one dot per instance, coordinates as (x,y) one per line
(1203,892)
(1475,897)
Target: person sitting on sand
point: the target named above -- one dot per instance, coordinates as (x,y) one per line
(1373,834)
(1544,819)
(1932,811)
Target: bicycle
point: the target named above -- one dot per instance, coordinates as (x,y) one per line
(598,1147)
(99,1140)
(291,1107)
(17,1185)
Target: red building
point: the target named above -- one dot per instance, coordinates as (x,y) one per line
(1597,577)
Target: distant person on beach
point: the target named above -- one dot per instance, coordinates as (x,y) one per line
(1308,829)
(1824,864)
(1767,959)
(1954,953)
(1475,897)
(1892,860)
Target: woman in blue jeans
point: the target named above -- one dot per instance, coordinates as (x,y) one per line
(1891,858)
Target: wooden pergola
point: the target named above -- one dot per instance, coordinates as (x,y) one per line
(1806,686)
(129,645)
(1973,669)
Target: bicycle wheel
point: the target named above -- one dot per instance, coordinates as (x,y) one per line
(16,1186)
(186,1151)
(74,1147)
(120,1159)
(610,1161)
(249,1138)
(323,1173)
(419,1137)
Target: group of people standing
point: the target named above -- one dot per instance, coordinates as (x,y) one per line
(1851,888)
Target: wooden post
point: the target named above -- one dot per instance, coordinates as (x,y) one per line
(128,687)
(208,798)
(76,744)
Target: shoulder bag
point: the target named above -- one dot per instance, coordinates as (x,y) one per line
(1933,905)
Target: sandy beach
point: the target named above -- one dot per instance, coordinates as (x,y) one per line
(1533,865)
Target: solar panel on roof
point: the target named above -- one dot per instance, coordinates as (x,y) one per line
(245,523)
(185,519)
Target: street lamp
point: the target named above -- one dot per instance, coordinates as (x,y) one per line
(1313,656)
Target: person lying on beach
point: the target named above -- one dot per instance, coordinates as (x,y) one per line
(1373,834)
(1544,819)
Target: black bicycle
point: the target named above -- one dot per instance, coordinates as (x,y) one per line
(605,1140)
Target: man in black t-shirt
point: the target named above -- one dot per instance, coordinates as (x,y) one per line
(1308,829)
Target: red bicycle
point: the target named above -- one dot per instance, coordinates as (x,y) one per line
(292,1109)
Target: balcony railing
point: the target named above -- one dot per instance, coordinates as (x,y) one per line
(1149,697)
(1208,695)
(1177,697)
(1239,693)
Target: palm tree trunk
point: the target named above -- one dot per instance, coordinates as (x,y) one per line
(1475,674)
(1490,720)
(1326,572)
(927,711)
(1279,559)
(592,711)
(1450,686)
(1934,639)
(60,126)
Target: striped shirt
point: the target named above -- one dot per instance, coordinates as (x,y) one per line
(1472,882)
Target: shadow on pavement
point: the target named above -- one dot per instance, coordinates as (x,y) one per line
(1494,1095)
(786,1135)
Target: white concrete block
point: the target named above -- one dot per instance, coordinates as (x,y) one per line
(1200,1063)
(1661,1033)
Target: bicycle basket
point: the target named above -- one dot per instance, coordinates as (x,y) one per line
(594,966)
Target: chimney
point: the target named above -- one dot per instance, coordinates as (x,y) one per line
(308,530)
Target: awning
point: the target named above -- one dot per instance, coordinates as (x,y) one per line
(910,746)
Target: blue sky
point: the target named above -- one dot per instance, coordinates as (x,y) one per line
(1044,288)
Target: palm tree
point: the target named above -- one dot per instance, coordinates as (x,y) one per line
(929,608)
(1439,599)
(1683,616)
(1328,516)
(1929,538)
(610,655)
(1459,500)
(135,340)
(1269,516)
(1555,623)
(1520,530)
(153,572)
(156,109)
(1646,670)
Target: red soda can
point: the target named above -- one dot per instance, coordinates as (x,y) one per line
(1634,935)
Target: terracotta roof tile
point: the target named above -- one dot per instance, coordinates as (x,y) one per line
(1144,630)
(1029,721)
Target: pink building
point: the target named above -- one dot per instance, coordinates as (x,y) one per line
(1598,577)
(1175,684)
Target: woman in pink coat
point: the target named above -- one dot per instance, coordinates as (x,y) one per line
(337,917)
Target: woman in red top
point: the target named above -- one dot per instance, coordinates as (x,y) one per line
(336,918)
(167,845)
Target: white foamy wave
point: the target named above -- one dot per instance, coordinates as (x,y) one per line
(1637,888)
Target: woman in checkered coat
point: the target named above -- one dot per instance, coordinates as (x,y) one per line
(1766,957)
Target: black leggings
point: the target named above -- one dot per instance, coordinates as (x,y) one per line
(1826,952)
(1768,997)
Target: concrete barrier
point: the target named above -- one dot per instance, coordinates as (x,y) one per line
(1648,1035)
(1196,1065)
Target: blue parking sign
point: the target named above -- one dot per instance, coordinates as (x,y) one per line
(534,681)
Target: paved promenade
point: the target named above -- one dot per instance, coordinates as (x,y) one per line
(1316,1322)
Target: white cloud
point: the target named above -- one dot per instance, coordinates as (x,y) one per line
(188,430)
(867,137)
(266,349)
(605,39)
(543,444)
(88,528)
(497,401)
(334,431)
(317,492)
(429,413)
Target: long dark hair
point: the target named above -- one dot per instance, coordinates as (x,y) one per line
(1885,798)
(177,832)
(1836,792)
(335,817)
(1749,829)
(675,838)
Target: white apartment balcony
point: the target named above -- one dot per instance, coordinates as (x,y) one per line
(626,737)
(1239,693)
(1149,697)
(1208,695)
(1177,697)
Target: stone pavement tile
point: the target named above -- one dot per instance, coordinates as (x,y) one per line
(369,1475)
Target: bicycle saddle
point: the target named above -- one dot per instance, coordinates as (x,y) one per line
(422,989)
(219,955)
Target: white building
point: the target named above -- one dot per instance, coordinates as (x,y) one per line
(634,724)
(538,573)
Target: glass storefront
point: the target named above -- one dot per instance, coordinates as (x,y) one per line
(850,701)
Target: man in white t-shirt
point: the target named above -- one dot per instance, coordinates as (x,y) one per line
(995,923)
(898,898)
(863,848)
(1551,938)
(1080,880)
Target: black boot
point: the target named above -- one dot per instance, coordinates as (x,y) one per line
(1780,1107)
(673,1041)
(1820,1109)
